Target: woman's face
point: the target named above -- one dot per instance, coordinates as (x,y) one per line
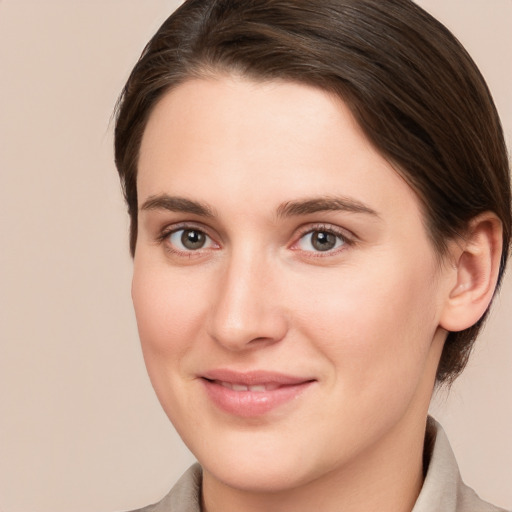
(286,292)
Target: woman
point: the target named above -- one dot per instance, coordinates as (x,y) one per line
(320,216)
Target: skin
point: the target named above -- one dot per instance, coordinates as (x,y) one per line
(363,321)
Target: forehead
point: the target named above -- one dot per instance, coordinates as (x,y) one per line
(230,112)
(280,140)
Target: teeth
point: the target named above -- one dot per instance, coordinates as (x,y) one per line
(260,388)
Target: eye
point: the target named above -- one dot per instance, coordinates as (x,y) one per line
(320,241)
(190,239)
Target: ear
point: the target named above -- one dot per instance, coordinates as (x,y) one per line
(476,267)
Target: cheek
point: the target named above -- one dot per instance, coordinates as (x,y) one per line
(169,319)
(167,311)
(377,321)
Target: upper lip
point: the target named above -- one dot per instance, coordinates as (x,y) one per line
(254,377)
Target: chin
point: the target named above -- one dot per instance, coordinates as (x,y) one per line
(261,462)
(272,477)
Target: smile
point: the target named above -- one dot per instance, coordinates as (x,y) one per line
(254,393)
(258,388)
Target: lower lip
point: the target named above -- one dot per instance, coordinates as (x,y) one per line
(249,404)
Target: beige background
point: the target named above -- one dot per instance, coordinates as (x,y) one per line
(80,429)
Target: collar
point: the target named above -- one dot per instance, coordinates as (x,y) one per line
(443,489)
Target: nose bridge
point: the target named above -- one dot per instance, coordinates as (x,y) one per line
(246,308)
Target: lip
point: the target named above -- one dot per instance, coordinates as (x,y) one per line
(254,393)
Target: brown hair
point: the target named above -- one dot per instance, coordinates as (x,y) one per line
(412,87)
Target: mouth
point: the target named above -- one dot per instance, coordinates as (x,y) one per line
(254,393)
(257,388)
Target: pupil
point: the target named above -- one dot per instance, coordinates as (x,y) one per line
(192,239)
(323,241)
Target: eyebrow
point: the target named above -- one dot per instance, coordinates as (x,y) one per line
(177,204)
(324,204)
(287,209)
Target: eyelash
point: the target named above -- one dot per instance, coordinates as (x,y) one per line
(163,238)
(346,239)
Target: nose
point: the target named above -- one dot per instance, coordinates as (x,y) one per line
(246,312)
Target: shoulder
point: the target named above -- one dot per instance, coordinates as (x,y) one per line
(443,488)
(469,501)
(185,496)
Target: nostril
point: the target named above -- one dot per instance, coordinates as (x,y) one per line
(259,339)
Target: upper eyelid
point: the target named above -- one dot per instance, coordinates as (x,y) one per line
(177,226)
(348,237)
(325,226)
(163,240)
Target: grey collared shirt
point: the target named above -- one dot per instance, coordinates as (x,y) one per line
(443,489)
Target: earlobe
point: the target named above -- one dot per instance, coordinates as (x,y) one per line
(476,273)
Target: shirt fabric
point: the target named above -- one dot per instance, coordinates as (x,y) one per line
(443,489)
